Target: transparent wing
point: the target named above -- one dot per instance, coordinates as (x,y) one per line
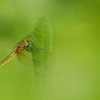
(28,37)
(25,57)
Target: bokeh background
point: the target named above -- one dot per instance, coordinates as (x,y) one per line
(76,48)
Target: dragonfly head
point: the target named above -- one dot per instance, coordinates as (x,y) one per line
(25,43)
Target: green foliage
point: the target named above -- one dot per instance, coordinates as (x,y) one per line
(76,48)
(42,47)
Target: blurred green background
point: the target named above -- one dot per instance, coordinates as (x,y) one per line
(76,48)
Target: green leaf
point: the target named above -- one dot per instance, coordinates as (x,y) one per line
(42,48)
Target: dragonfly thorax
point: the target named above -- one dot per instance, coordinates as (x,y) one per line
(19,47)
(22,46)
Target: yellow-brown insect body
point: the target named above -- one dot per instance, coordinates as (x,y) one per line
(21,46)
(12,55)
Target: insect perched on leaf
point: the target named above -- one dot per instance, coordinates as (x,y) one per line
(35,49)
(24,45)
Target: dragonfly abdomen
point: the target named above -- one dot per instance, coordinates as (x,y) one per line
(7,59)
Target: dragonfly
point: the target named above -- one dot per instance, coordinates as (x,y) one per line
(25,45)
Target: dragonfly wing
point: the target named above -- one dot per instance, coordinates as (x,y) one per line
(28,37)
(25,57)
